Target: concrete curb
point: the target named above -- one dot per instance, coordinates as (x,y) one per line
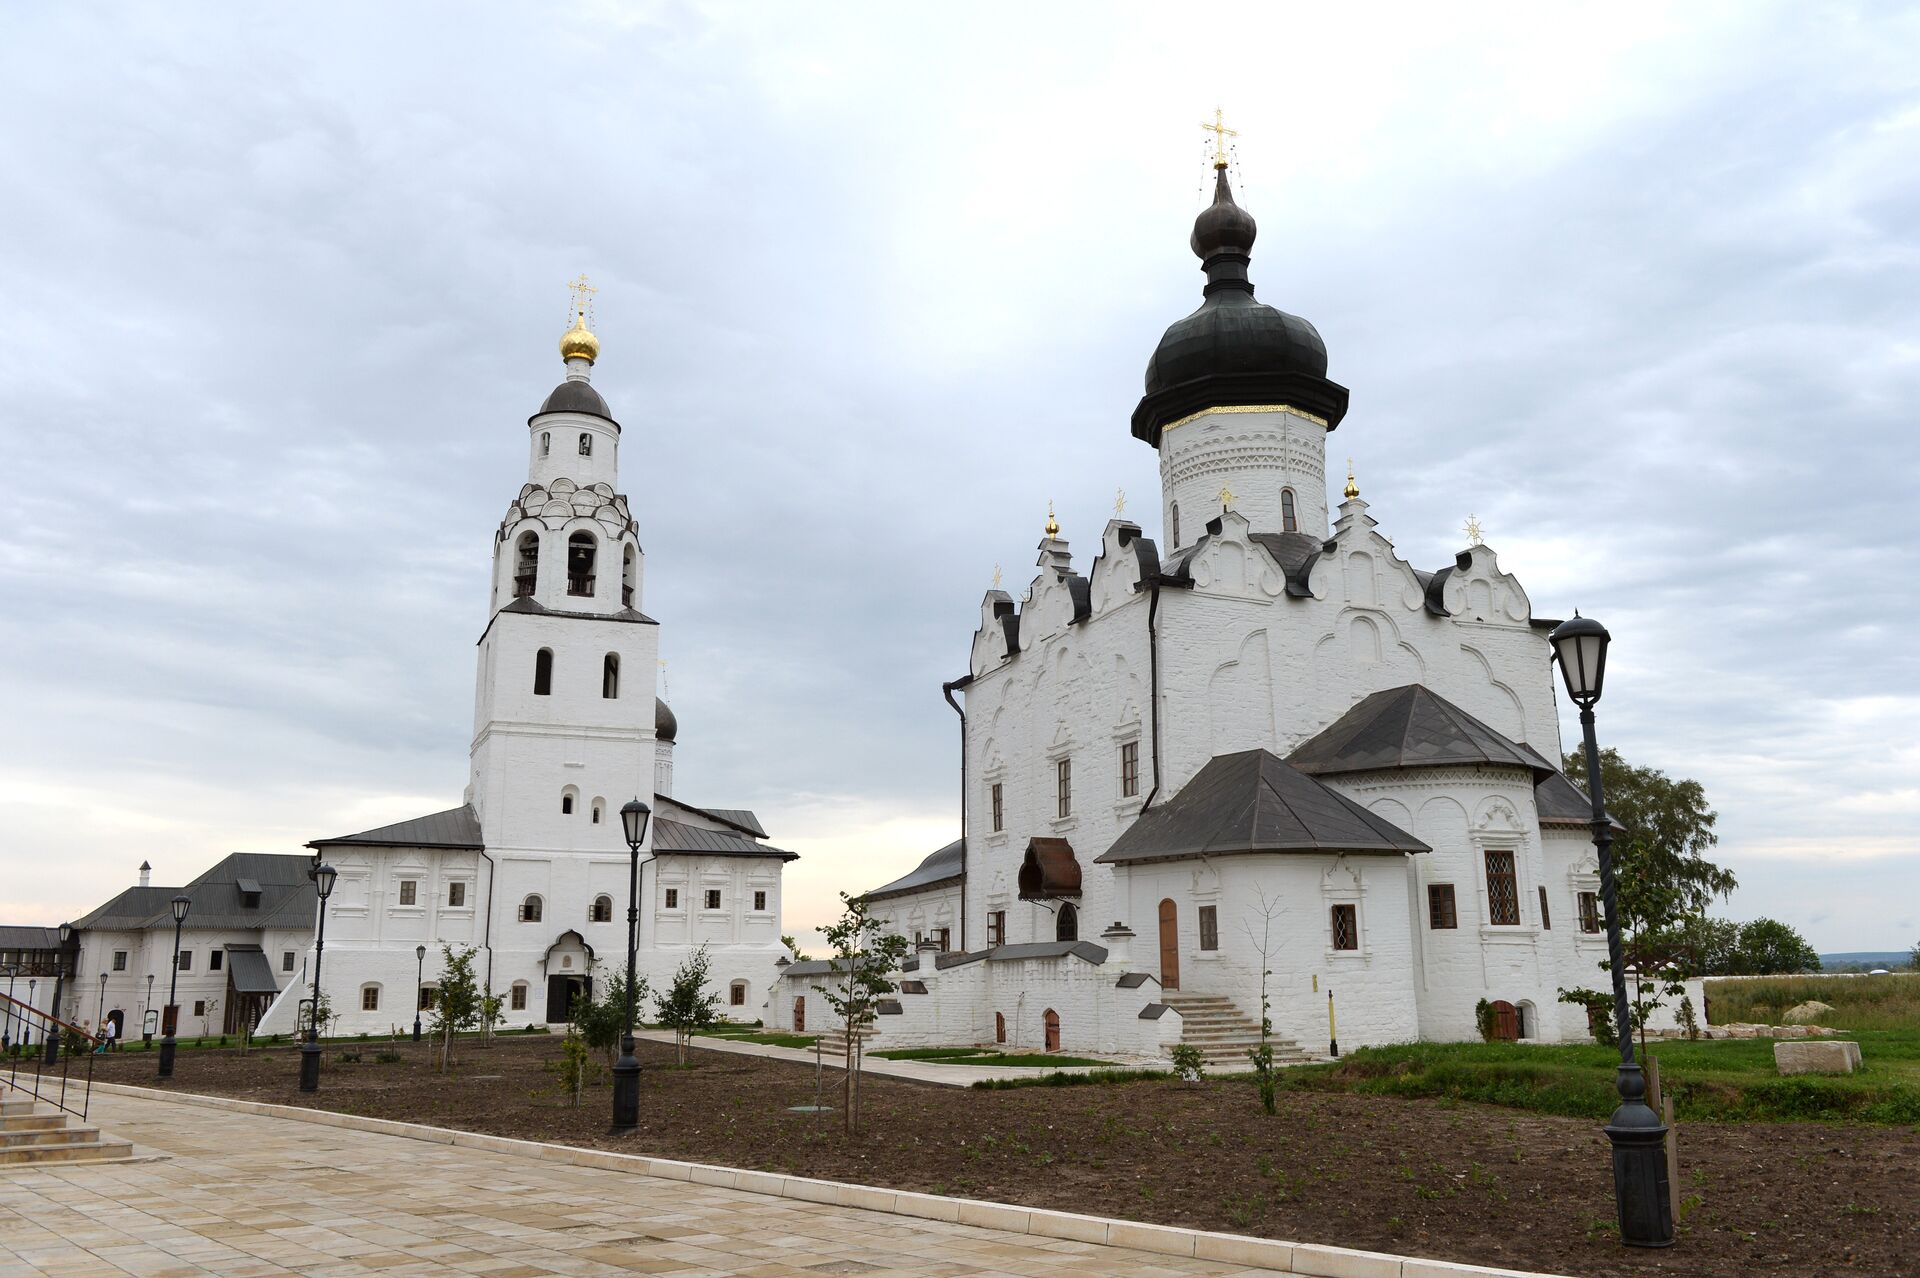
(1307,1259)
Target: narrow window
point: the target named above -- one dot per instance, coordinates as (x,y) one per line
(999,1027)
(566,805)
(1546,920)
(1129,769)
(1503,891)
(602,911)
(199,1007)
(1066,924)
(426,998)
(215,960)
(945,937)
(531,909)
(546,442)
(543,673)
(586,444)
(713,898)
(286,960)
(1346,927)
(119,960)
(1589,911)
(610,676)
(1063,782)
(409,890)
(1288,521)
(580,556)
(999,808)
(519,1000)
(737,994)
(759,902)
(1440,909)
(456,895)
(369,998)
(185,963)
(599,810)
(1175,543)
(1209,927)
(629,571)
(996,928)
(526,565)
(673,898)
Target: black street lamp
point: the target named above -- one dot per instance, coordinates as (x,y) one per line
(1640,1187)
(6,1034)
(100,1013)
(26,1026)
(169,1014)
(146,1006)
(62,960)
(626,1070)
(419,979)
(323,877)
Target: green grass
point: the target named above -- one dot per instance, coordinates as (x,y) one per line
(982,1056)
(1890,1002)
(1060,1078)
(749,1034)
(1720,1079)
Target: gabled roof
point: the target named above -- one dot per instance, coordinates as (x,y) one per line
(1410,727)
(947,865)
(455,828)
(742,817)
(1255,802)
(16,937)
(283,896)
(673,838)
(129,909)
(1558,801)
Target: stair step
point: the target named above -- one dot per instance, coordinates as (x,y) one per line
(32,1122)
(48,1136)
(78,1152)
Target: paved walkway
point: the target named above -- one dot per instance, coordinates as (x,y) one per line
(249,1196)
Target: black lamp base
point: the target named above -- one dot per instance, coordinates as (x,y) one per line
(1640,1185)
(309,1066)
(626,1092)
(167,1046)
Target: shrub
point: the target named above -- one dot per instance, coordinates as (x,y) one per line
(347,1058)
(1688,1020)
(386,1058)
(1189,1065)
(1483,1018)
(1599,1012)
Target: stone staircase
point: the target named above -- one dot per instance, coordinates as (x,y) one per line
(35,1133)
(1223,1033)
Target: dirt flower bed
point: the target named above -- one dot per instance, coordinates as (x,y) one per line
(1459,1182)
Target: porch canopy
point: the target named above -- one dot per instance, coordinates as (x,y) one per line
(1049,871)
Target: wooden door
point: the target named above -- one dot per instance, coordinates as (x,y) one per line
(1506,1022)
(800,1014)
(1053,1030)
(1169,946)
(999,1027)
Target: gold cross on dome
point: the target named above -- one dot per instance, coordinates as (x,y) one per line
(1226,498)
(1473,531)
(1220,133)
(996,576)
(583,292)
(1119,501)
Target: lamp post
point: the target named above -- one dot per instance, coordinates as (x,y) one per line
(323,876)
(100,1013)
(626,1070)
(419,979)
(1640,1189)
(181,904)
(146,1006)
(26,1026)
(62,960)
(6,1033)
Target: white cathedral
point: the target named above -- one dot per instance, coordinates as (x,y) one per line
(1267,751)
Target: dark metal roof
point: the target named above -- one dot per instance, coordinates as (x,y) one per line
(665,726)
(1410,727)
(455,828)
(1049,870)
(18,937)
(943,866)
(248,970)
(1255,801)
(276,882)
(1087,950)
(577,397)
(1558,801)
(1132,980)
(132,908)
(742,817)
(1295,553)
(675,838)
(528,604)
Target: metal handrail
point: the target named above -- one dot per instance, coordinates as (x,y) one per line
(22,1019)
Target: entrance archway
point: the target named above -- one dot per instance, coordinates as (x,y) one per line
(800,1013)
(1053,1030)
(1506,1022)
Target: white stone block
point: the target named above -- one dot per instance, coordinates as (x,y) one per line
(1338,1262)
(1831,1057)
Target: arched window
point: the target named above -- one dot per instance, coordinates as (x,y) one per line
(737,994)
(629,569)
(580,551)
(602,911)
(567,796)
(610,676)
(531,909)
(1288,521)
(526,564)
(543,673)
(1066,924)
(586,444)
(599,810)
(1175,543)
(546,442)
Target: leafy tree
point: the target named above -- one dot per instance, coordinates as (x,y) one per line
(600,1020)
(1769,947)
(1913,959)
(1264,1071)
(457,1006)
(865,956)
(574,1065)
(687,1004)
(793,948)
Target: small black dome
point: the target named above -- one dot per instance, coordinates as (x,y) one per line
(665,726)
(576,397)
(1234,350)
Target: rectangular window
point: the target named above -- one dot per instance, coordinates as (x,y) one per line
(199,1007)
(286,960)
(1589,912)
(1503,889)
(519,1000)
(1209,927)
(119,960)
(214,960)
(1063,785)
(185,961)
(673,898)
(713,898)
(946,939)
(999,808)
(1129,769)
(456,895)
(1546,920)
(1346,927)
(996,928)
(1440,911)
(409,891)
(426,998)
(370,998)
(759,902)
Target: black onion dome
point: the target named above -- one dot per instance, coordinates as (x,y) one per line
(665,726)
(577,397)
(1234,350)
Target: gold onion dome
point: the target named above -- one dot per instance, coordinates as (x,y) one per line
(578,342)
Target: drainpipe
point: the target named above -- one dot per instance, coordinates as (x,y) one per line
(486,934)
(946,690)
(1153,686)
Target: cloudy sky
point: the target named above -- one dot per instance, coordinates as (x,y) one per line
(1638,286)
